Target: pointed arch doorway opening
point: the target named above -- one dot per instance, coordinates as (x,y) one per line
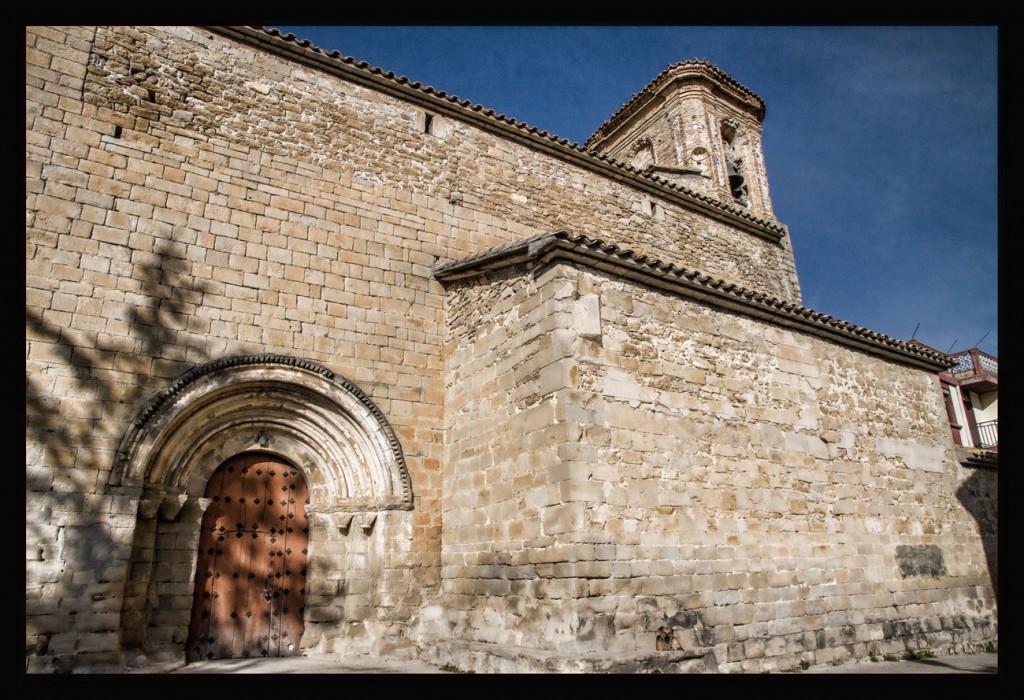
(249,597)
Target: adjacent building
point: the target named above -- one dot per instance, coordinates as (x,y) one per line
(976,379)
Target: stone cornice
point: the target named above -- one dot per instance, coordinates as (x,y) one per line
(625,264)
(440,102)
(694,71)
(155,405)
(179,385)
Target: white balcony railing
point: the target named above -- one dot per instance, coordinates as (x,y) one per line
(988,433)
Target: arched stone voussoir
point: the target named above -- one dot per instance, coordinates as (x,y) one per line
(294,408)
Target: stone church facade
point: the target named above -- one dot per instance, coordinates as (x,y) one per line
(319,360)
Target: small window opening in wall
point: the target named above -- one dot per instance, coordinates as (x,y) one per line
(117,131)
(150,94)
(651,208)
(428,122)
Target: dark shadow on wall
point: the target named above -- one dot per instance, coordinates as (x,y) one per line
(979,494)
(85,392)
(111,376)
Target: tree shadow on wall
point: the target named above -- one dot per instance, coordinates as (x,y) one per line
(81,395)
(979,495)
(83,388)
(77,419)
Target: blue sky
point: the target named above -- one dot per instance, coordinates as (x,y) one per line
(880,142)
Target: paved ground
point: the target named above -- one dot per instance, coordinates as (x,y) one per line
(960,664)
(299,664)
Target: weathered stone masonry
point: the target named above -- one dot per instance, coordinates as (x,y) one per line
(235,242)
(755,486)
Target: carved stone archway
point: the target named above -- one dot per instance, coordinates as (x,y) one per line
(295,409)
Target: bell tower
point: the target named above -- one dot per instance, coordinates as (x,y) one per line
(694,125)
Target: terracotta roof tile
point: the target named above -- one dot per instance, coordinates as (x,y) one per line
(588,251)
(532,131)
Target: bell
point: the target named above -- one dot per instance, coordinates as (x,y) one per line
(735,179)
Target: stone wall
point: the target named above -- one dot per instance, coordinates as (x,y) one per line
(154,244)
(772,497)
(264,104)
(502,512)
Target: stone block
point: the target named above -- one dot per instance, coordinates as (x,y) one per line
(97,642)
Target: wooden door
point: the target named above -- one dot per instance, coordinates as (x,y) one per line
(251,569)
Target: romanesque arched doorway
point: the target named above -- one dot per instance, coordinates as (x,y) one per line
(265,407)
(251,567)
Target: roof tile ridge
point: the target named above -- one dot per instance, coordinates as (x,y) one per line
(706,199)
(417,85)
(523,126)
(736,290)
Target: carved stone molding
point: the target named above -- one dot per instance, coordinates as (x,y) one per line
(291,407)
